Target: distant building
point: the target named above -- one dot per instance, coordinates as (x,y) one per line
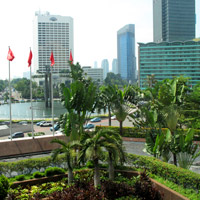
(95,64)
(52,33)
(26,75)
(167,60)
(173,20)
(105,67)
(96,74)
(126,53)
(114,66)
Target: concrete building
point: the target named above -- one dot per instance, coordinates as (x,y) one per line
(126,53)
(96,74)
(173,20)
(105,67)
(52,33)
(167,60)
(114,66)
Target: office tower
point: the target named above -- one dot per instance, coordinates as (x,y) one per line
(168,60)
(105,66)
(114,66)
(173,20)
(126,53)
(52,33)
(96,74)
(95,64)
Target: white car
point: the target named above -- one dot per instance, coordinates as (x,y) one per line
(113,117)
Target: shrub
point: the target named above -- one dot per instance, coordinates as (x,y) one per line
(51,171)
(90,164)
(20,177)
(38,174)
(36,134)
(4,186)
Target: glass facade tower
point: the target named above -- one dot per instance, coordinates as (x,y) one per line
(173,20)
(126,53)
(105,66)
(168,60)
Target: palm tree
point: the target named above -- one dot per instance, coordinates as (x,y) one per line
(106,97)
(93,144)
(67,149)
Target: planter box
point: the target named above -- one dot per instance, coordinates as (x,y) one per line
(169,194)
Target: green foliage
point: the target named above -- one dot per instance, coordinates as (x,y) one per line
(51,171)
(4,187)
(20,177)
(38,174)
(36,134)
(180,176)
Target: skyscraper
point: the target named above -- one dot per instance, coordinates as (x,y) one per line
(126,52)
(105,66)
(173,20)
(52,33)
(114,66)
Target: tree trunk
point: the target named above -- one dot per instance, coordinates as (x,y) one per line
(111,170)
(109,116)
(70,175)
(175,159)
(96,174)
(120,127)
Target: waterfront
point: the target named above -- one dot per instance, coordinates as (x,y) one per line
(23,110)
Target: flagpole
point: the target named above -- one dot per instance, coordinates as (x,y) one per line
(52,107)
(10,100)
(31,93)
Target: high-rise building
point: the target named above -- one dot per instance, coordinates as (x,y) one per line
(95,64)
(173,20)
(105,66)
(96,74)
(166,60)
(114,66)
(52,33)
(126,53)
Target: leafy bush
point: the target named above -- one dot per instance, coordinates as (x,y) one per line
(20,177)
(38,174)
(4,186)
(180,176)
(51,171)
(90,164)
(36,134)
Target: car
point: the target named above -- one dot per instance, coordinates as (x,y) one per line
(96,119)
(113,117)
(88,126)
(46,124)
(23,122)
(39,123)
(56,127)
(17,135)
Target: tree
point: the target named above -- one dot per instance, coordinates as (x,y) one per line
(93,144)
(106,97)
(67,149)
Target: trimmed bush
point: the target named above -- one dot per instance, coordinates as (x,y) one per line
(51,171)
(4,186)
(38,174)
(20,177)
(180,176)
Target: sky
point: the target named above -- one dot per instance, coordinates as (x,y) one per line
(96,23)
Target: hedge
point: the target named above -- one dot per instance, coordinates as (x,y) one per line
(137,132)
(180,176)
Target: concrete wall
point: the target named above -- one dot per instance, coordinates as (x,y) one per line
(28,145)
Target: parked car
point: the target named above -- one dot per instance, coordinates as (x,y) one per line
(17,135)
(46,124)
(113,117)
(88,126)
(56,127)
(96,119)
(23,122)
(39,123)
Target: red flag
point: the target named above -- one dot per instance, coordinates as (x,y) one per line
(52,59)
(30,58)
(71,58)
(10,55)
